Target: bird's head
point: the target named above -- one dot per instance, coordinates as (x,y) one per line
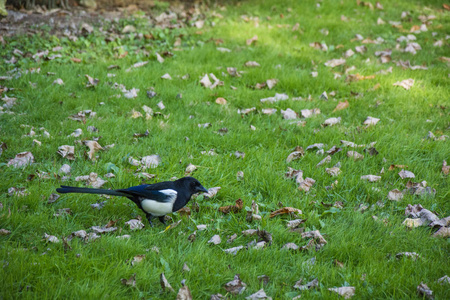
(192,184)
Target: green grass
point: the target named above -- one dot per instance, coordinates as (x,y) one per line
(364,246)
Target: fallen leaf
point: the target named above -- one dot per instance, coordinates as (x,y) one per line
(395,195)
(215,240)
(299,152)
(252,64)
(50,238)
(341,106)
(424,291)
(165,285)
(4,232)
(67,151)
(331,121)
(371,178)
(221,101)
(166,76)
(295,223)
(246,111)
(236,286)
(443,232)
(184,293)
(151,161)
(137,259)
(232,208)
(406,84)
(94,147)
(104,229)
(259,295)
(306,184)
(22,159)
(276,98)
(334,171)
(326,160)
(286,210)
(290,246)
(444,222)
(135,224)
(310,285)
(91,81)
(406,174)
(129,282)
(234,250)
(306,113)
(252,40)
(419,188)
(413,255)
(212,192)
(346,291)
(335,62)
(371,121)
(445,168)
(355,155)
(58,81)
(289,114)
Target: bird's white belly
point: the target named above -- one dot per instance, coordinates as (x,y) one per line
(156,208)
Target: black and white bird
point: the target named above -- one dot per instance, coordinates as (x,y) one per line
(155,200)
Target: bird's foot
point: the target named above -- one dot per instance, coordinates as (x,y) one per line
(162,220)
(149,218)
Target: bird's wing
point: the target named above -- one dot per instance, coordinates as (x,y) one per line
(159,195)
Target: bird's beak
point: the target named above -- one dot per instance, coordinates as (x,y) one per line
(202,189)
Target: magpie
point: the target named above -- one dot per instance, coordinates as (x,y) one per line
(155,200)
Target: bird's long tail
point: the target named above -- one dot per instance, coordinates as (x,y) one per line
(72,189)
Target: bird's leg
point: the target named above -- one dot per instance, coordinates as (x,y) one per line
(149,218)
(162,220)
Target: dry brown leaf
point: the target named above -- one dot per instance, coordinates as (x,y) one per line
(412,255)
(130,281)
(22,159)
(310,285)
(371,121)
(290,246)
(252,40)
(184,293)
(221,101)
(355,155)
(104,229)
(137,259)
(246,111)
(286,210)
(4,232)
(444,222)
(67,151)
(252,64)
(406,84)
(232,208)
(335,62)
(443,232)
(306,184)
(212,192)
(395,195)
(94,147)
(346,291)
(326,160)
(166,76)
(50,238)
(406,174)
(234,250)
(135,224)
(371,178)
(259,295)
(295,223)
(289,114)
(91,81)
(165,285)
(445,168)
(299,152)
(189,169)
(331,121)
(236,286)
(151,161)
(215,240)
(424,291)
(341,106)
(334,171)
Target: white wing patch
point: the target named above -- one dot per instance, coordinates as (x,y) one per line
(159,209)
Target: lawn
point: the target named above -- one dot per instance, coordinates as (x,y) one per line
(397,72)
